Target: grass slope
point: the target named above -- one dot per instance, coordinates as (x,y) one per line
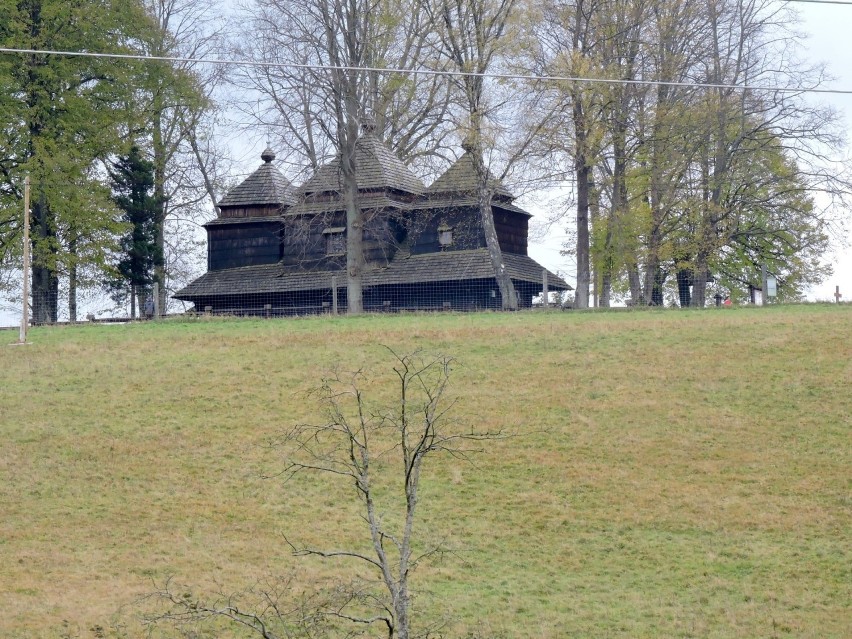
(676,474)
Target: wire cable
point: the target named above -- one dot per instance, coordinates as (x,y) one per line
(494,76)
(846,2)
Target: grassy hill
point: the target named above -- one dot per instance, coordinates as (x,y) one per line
(674,474)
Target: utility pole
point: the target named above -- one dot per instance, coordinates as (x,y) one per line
(25,316)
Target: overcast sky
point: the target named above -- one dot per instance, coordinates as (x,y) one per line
(830,42)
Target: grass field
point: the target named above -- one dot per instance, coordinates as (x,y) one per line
(675,474)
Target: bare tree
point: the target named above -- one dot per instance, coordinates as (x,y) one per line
(330,84)
(356,434)
(177,124)
(569,43)
(293,100)
(472,35)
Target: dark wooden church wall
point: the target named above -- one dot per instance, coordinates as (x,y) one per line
(243,245)
(381,236)
(464,222)
(512,231)
(240,212)
(300,242)
(304,240)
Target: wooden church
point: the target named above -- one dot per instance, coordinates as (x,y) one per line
(280,250)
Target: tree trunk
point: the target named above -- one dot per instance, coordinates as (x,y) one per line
(606,287)
(606,267)
(594,218)
(348,139)
(508,295)
(637,298)
(401,605)
(133,301)
(159,161)
(616,241)
(653,271)
(684,278)
(72,281)
(354,245)
(141,294)
(45,283)
(654,277)
(582,170)
(45,290)
(657,288)
(699,282)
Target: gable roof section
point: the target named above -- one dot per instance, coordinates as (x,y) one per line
(377,168)
(461,178)
(266,186)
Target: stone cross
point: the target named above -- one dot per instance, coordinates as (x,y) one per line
(837,294)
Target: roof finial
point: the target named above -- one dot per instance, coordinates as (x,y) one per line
(268,155)
(368,124)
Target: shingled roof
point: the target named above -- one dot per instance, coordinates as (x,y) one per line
(445,201)
(474,264)
(266,186)
(377,168)
(461,178)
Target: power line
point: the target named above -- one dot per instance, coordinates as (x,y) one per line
(495,76)
(846,2)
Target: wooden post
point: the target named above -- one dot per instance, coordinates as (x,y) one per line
(25,316)
(334,294)
(545,294)
(156,294)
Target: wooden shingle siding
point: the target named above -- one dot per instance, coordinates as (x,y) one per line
(304,240)
(467,232)
(240,212)
(377,169)
(266,187)
(512,231)
(244,245)
(461,178)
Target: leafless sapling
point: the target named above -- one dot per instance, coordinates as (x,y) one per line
(359,442)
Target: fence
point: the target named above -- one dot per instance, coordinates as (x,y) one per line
(274,294)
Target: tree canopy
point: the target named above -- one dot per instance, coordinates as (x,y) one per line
(693,165)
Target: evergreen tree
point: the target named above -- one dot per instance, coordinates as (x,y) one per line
(132,178)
